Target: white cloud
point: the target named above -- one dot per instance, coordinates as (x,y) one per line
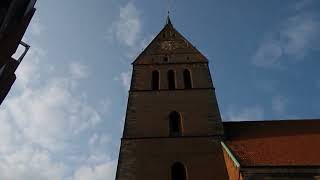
(104,105)
(126,29)
(300,34)
(97,144)
(78,70)
(35,27)
(28,163)
(128,25)
(99,140)
(49,115)
(45,117)
(7,134)
(268,53)
(38,121)
(245,114)
(297,36)
(125,78)
(97,157)
(98,172)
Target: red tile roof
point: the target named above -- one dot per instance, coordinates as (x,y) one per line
(274,143)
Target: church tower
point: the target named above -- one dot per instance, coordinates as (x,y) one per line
(173,126)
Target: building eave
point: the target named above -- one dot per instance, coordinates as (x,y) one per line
(234,159)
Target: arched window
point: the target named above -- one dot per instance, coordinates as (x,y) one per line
(155,80)
(175,124)
(165,59)
(187,79)
(171,80)
(178,172)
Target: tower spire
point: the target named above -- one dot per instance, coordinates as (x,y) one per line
(168,21)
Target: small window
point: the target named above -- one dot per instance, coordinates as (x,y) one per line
(164,35)
(187,79)
(171,80)
(178,171)
(175,124)
(155,80)
(165,59)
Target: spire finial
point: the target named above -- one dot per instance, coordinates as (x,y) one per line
(168,19)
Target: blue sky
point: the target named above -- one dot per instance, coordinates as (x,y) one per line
(64,116)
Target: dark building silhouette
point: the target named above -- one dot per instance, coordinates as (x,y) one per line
(15,16)
(173,129)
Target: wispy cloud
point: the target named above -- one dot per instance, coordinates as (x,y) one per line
(104,105)
(125,79)
(268,54)
(54,105)
(98,140)
(78,70)
(39,122)
(126,30)
(245,114)
(293,40)
(98,164)
(128,25)
(36,28)
(29,163)
(301,34)
(98,172)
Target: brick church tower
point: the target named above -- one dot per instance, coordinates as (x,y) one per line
(173,126)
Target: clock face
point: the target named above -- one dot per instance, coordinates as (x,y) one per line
(170,45)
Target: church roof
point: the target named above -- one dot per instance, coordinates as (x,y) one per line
(169,42)
(274,143)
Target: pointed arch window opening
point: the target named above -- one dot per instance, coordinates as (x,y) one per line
(178,171)
(175,124)
(187,79)
(171,80)
(155,80)
(165,58)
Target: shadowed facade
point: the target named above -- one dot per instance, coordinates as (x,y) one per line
(173,127)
